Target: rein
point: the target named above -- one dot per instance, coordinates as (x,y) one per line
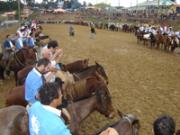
(18,61)
(130,123)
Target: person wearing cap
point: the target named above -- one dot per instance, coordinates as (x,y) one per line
(170,32)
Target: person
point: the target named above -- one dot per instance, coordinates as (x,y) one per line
(93,32)
(44,118)
(8,53)
(30,41)
(35,79)
(19,41)
(109,131)
(164,125)
(53,53)
(71,31)
(7,48)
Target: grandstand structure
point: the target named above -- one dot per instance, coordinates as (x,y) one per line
(151,6)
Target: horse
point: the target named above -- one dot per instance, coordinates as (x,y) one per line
(22,74)
(16,96)
(77,90)
(73,92)
(159,39)
(76,66)
(71,67)
(10,123)
(127,125)
(23,57)
(80,110)
(91,70)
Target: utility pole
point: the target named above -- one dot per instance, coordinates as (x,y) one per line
(119,3)
(136,5)
(19,12)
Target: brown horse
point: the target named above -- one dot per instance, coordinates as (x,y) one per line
(72,67)
(22,74)
(16,96)
(159,39)
(79,90)
(10,124)
(127,125)
(23,57)
(80,110)
(76,66)
(90,71)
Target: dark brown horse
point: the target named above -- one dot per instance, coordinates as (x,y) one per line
(16,96)
(22,74)
(159,40)
(80,110)
(76,66)
(127,125)
(10,124)
(22,58)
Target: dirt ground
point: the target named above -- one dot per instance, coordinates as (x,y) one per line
(142,81)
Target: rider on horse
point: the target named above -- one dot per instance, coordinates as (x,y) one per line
(7,48)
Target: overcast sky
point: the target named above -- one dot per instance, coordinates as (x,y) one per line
(125,3)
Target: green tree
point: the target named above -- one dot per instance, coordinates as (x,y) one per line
(102,5)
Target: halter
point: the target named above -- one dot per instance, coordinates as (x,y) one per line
(130,123)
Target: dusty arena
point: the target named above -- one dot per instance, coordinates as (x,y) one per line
(142,81)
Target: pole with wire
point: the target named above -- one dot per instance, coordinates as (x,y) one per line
(19,12)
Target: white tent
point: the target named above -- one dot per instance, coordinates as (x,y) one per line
(59,10)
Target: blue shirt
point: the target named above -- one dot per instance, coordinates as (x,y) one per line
(19,43)
(33,82)
(30,42)
(45,122)
(6,44)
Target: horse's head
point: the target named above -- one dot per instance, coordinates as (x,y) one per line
(129,124)
(101,72)
(104,105)
(85,63)
(29,55)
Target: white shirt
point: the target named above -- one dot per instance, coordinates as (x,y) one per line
(53,110)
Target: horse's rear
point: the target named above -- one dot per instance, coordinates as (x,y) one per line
(16,96)
(7,119)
